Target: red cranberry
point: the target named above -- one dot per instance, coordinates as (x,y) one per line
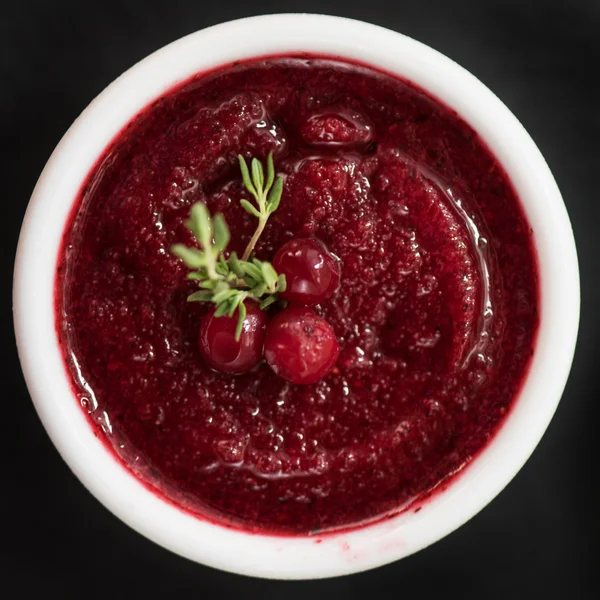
(311,272)
(339,127)
(218,345)
(300,346)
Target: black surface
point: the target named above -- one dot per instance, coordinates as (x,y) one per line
(540,537)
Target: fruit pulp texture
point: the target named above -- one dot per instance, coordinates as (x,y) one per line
(436,311)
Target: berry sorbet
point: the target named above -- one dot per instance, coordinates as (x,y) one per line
(435,312)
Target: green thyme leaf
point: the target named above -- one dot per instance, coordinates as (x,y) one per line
(258,176)
(270,172)
(220,286)
(258,290)
(221,232)
(249,208)
(281,283)
(252,270)
(241,319)
(200,224)
(223,295)
(200,296)
(234,265)
(234,303)
(274,197)
(246,176)
(221,309)
(191,257)
(222,267)
(221,270)
(269,274)
(267,302)
(197,275)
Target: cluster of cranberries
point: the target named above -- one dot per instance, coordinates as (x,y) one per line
(296,343)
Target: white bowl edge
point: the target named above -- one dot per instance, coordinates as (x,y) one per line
(270,556)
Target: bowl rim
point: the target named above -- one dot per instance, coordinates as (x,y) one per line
(236,550)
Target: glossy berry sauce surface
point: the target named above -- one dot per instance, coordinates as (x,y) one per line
(435,311)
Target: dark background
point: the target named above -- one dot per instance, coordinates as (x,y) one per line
(540,537)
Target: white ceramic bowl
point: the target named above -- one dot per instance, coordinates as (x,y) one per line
(261,555)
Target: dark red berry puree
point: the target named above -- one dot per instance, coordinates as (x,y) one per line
(436,312)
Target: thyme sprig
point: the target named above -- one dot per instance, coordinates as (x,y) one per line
(227,282)
(266,192)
